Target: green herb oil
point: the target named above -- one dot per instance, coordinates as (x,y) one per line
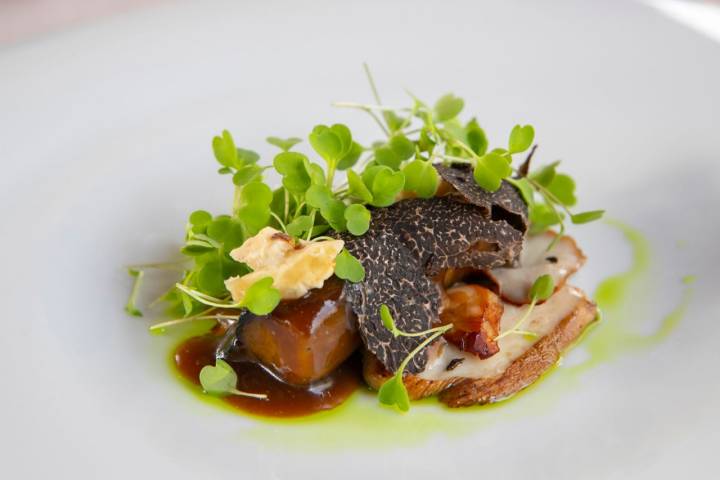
(362,423)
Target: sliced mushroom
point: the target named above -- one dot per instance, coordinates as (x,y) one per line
(561,261)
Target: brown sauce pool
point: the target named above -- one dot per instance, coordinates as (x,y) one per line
(284,400)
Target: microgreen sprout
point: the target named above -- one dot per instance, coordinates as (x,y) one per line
(177,266)
(205,315)
(221,380)
(357,219)
(347,267)
(131,307)
(393,392)
(335,186)
(442,136)
(284,144)
(260,298)
(541,290)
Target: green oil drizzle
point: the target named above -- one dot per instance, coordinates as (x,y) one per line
(623,301)
(361,423)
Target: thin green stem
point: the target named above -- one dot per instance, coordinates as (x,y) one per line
(259,396)
(331,174)
(400,333)
(312,222)
(376,96)
(438,332)
(544,193)
(287,204)
(236,200)
(379,122)
(370,106)
(408,120)
(279,220)
(552,200)
(130,307)
(371,81)
(556,238)
(159,299)
(454,159)
(206,299)
(323,237)
(179,265)
(212,242)
(466,148)
(549,195)
(516,328)
(367,160)
(299,209)
(181,321)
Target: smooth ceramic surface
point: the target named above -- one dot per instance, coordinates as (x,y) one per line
(105,147)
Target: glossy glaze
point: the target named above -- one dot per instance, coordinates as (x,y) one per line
(303,340)
(284,400)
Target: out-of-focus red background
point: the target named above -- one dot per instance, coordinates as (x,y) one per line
(22,20)
(25,19)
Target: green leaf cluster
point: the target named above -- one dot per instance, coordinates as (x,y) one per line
(336,146)
(550,195)
(238,162)
(313,200)
(208,242)
(442,136)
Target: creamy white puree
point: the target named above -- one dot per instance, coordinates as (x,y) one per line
(536,261)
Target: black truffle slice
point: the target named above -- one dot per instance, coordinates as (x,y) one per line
(504,204)
(445,233)
(393,276)
(411,241)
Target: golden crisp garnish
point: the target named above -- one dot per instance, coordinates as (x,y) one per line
(296,266)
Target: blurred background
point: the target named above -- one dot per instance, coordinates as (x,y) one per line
(107,109)
(24,20)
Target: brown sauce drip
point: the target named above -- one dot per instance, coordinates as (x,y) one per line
(284,400)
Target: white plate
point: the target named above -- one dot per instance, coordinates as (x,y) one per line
(104,144)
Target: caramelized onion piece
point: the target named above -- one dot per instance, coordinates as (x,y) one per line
(303,340)
(475,313)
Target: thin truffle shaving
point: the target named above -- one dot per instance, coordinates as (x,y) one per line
(413,240)
(445,233)
(505,204)
(393,276)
